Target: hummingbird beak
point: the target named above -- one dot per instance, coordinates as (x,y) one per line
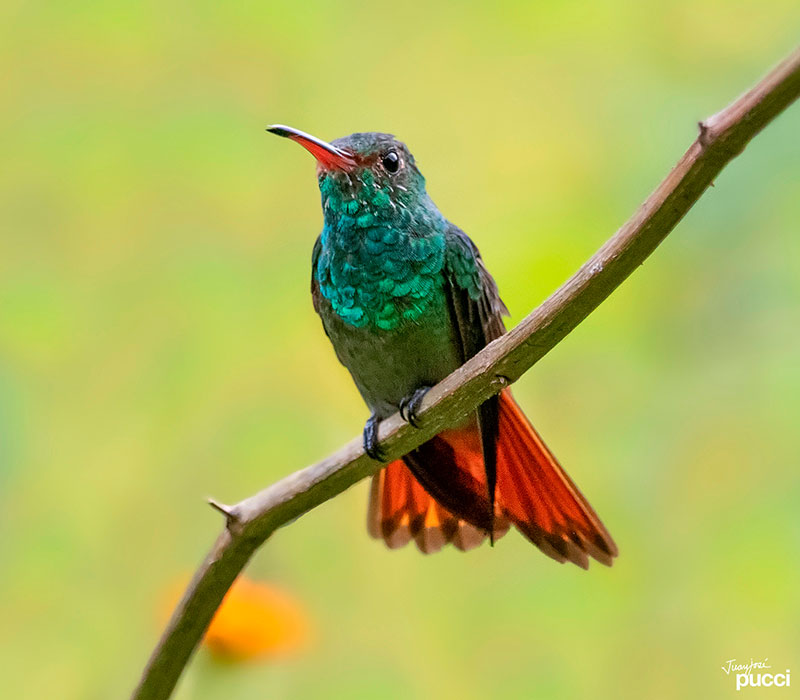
(328,156)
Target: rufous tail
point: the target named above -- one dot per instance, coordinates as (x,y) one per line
(437,494)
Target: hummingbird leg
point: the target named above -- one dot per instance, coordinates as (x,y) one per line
(409,406)
(371,446)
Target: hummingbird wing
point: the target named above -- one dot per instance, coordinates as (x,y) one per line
(477,316)
(316,295)
(475,301)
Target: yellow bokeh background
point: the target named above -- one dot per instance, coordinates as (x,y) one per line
(158,345)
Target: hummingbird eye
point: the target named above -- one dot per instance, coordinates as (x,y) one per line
(391,162)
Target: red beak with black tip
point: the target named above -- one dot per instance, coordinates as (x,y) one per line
(328,156)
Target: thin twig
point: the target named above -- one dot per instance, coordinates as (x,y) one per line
(250,522)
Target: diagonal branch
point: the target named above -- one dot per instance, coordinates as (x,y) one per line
(250,522)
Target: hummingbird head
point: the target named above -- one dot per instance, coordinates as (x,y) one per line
(366,179)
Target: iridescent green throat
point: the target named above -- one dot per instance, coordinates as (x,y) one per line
(382,250)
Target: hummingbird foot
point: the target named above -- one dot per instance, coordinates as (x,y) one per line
(409,406)
(371,446)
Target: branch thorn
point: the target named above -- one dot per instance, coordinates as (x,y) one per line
(227,511)
(705,132)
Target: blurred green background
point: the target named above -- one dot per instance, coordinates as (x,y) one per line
(158,345)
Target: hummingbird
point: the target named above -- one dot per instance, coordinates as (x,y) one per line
(405,299)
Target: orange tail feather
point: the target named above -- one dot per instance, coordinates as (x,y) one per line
(401,510)
(438,494)
(540,499)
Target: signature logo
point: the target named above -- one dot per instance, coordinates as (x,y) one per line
(749,675)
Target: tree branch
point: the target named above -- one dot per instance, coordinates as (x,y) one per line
(250,522)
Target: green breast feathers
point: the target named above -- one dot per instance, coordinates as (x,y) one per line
(379,263)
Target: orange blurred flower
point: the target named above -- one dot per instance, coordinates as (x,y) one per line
(256,621)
